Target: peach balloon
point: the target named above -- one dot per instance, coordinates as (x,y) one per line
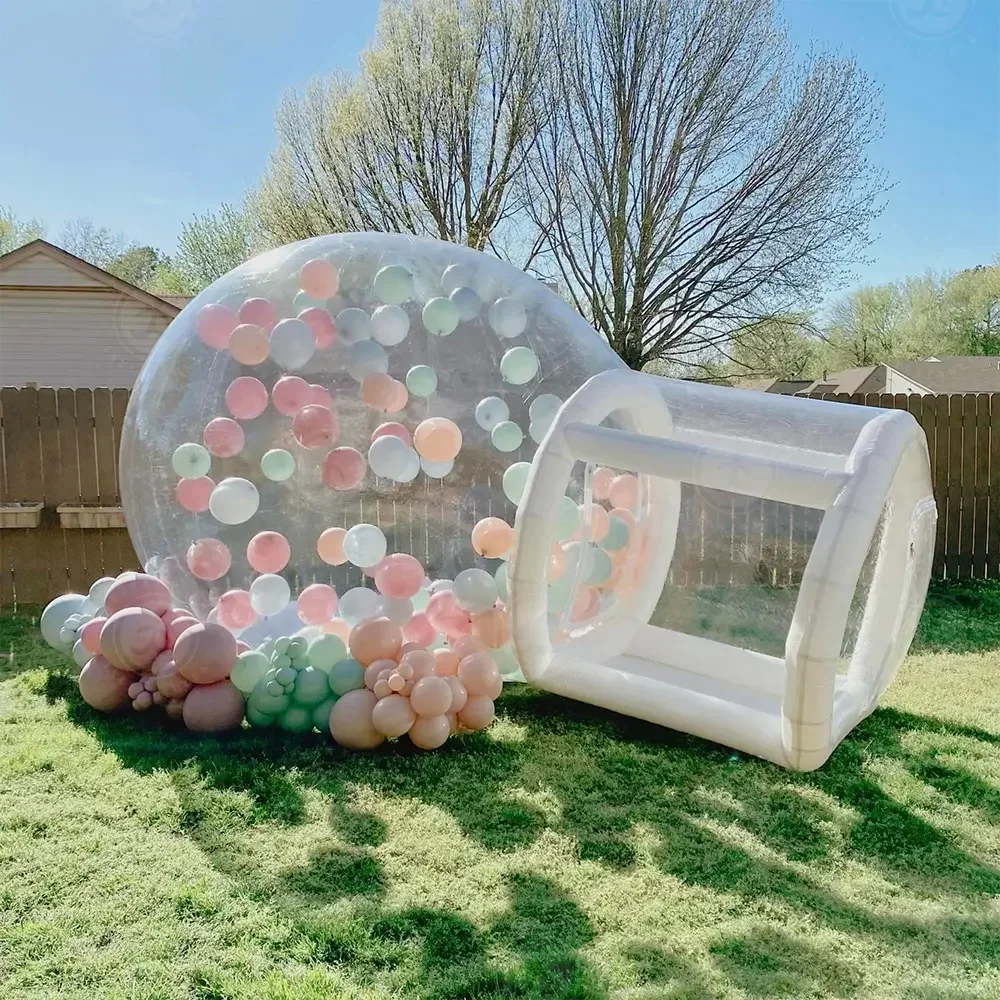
(174,708)
(103,686)
(235,610)
(319,279)
(268,552)
(467,645)
(600,484)
(319,395)
(480,675)
(322,325)
(249,344)
(419,664)
(213,324)
(344,468)
(409,647)
(223,437)
(351,721)
(446,616)
(392,716)
(375,670)
(132,638)
(290,394)
(213,708)
(437,439)
(330,546)
(429,732)
(459,696)
(492,537)
(317,604)
(170,682)
(586,603)
(446,662)
(624,491)
(260,312)
(557,562)
(375,639)
(378,390)
(399,576)
(90,635)
(137,590)
(399,398)
(246,397)
(492,627)
(600,522)
(453,721)
(315,426)
(208,559)
(205,653)
(193,494)
(419,631)
(339,628)
(430,696)
(478,712)
(178,627)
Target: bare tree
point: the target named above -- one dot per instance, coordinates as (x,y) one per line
(692,178)
(96,244)
(15,232)
(429,138)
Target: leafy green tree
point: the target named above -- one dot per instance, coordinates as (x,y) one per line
(139,266)
(15,232)
(781,347)
(864,328)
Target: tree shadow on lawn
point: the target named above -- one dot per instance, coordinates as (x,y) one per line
(608,775)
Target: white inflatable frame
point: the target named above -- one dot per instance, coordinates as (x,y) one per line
(792,711)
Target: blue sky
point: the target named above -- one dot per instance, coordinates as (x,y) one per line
(139,113)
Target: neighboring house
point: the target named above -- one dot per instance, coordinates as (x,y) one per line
(67,323)
(932,376)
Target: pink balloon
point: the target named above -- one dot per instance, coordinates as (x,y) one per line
(600,521)
(330,546)
(375,639)
(315,426)
(478,712)
(90,635)
(169,680)
(213,324)
(600,484)
(437,439)
(492,627)
(260,312)
(249,344)
(213,708)
(446,662)
(466,645)
(400,397)
(321,396)
(137,590)
(585,604)
(446,616)
(322,325)
(344,469)
(624,491)
(103,686)
(246,397)
(317,604)
(395,429)
(430,732)
(208,559)
(235,610)
(178,627)
(392,716)
(290,394)
(399,576)
(480,675)
(319,279)
(376,669)
(419,664)
(419,630)
(132,638)
(351,721)
(431,696)
(224,437)
(459,696)
(268,552)
(194,494)
(205,654)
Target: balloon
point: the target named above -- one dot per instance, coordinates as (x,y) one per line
(437,439)
(514,481)
(366,358)
(213,708)
(208,559)
(440,316)
(389,456)
(364,545)
(224,437)
(446,616)
(177,627)
(325,652)
(475,590)
(459,696)
(507,436)
(344,469)
(234,501)
(249,345)
(322,326)
(351,721)
(90,635)
(269,593)
(480,675)
(354,325)
(567,519)
(446,662)
(359,603)
(54,618)
(99,590)
(311,687)
(431,696)
(205,653)
(260,312)
(390,325)
(437,470)
(492,537)
(617,534)
(249,668)
(214,323)
(395,430)
(346,675)
(330,546)
(319,279)
(507,318)
(624,492)
(317,604)
(429,732)
(268,552)
(315,426)
(246,398)
(393,284)
(421,380)
(277,465)
(194,494)
(392,716)
(419,630)
(290,394)
(191,461)
(235,610)
(519,365)
(491,411)
(375,639)
(132,638)
(467,302)
(104,687)
(292,343)
(399,576)
(478,712)
(137,590)
(491,626)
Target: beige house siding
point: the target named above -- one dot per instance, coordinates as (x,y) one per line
(897,382)
(41,270)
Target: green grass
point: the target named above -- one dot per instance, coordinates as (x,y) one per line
(565,853)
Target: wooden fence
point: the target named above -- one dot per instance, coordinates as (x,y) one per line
(60,446)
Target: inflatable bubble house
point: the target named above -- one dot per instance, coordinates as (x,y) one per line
(341,428)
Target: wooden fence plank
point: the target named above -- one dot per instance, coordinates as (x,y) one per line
(954,540)
(50,533)
(993,560)
(981,441)
(942,417)
(89,487)
(107,477)
(69,486)
(968,501)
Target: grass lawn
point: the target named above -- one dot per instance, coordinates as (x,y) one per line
(565,853)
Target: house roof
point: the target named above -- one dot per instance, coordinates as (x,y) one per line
(98,274)
(958,374)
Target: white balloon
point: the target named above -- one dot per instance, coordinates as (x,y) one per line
(390,325)
(359,603)
(234,501)
(54,618)
(269,594)
(456,276)
(396,609)
(80,653)
(353,325)
(364,358)
(365,545)
(437,470)
(389,456)
(410,470)
(475,590)
(292,343)
(491,411)
(544,408)
(508,318)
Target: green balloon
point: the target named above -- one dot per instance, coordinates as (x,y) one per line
(506,436)
(519,365)
(273,688)
(617,536)
(514,481)
(265,703)
(303,301)
(567,519)
(600,568)
(440,317)
(421,380)
(191,461)
(286,677)
(347,675)
(282,643)
(311,686)
(321,714)
(393,284)
(297,647)
(277,464)
(249,668)
(258,718)
(325,651)
(281,660)
(560,592)
(500,576)
(296,719)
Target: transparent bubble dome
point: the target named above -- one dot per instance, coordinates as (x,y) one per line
(264,405)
